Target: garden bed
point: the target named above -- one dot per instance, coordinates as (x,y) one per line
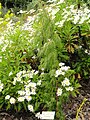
(70,109)
(44,61)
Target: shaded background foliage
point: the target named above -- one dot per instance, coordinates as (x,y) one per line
(12,3)
(16,5)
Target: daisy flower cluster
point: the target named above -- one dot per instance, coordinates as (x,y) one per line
(61,70)
(3,43)
(1,86)
(77,16)
(65,84)
(28,25)
(53,8)
(27,89)
(87,52)
(56,1)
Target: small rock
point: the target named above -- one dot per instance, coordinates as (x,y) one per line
(3,119)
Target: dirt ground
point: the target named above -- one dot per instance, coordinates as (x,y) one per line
(71,108)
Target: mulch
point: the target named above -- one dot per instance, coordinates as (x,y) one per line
(71,108)
(11,115)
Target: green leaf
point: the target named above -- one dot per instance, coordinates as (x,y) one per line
(8,106)
(19,106)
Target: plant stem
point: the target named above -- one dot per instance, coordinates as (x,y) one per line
(78,3)
(84,100)
(56,98)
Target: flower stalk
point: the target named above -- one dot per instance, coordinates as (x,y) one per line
(56,98)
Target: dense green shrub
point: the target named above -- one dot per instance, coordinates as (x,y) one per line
(87,2)
(17,3)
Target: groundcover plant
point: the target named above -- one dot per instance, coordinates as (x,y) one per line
(37,69)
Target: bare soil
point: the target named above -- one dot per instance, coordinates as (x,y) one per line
(71,108)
